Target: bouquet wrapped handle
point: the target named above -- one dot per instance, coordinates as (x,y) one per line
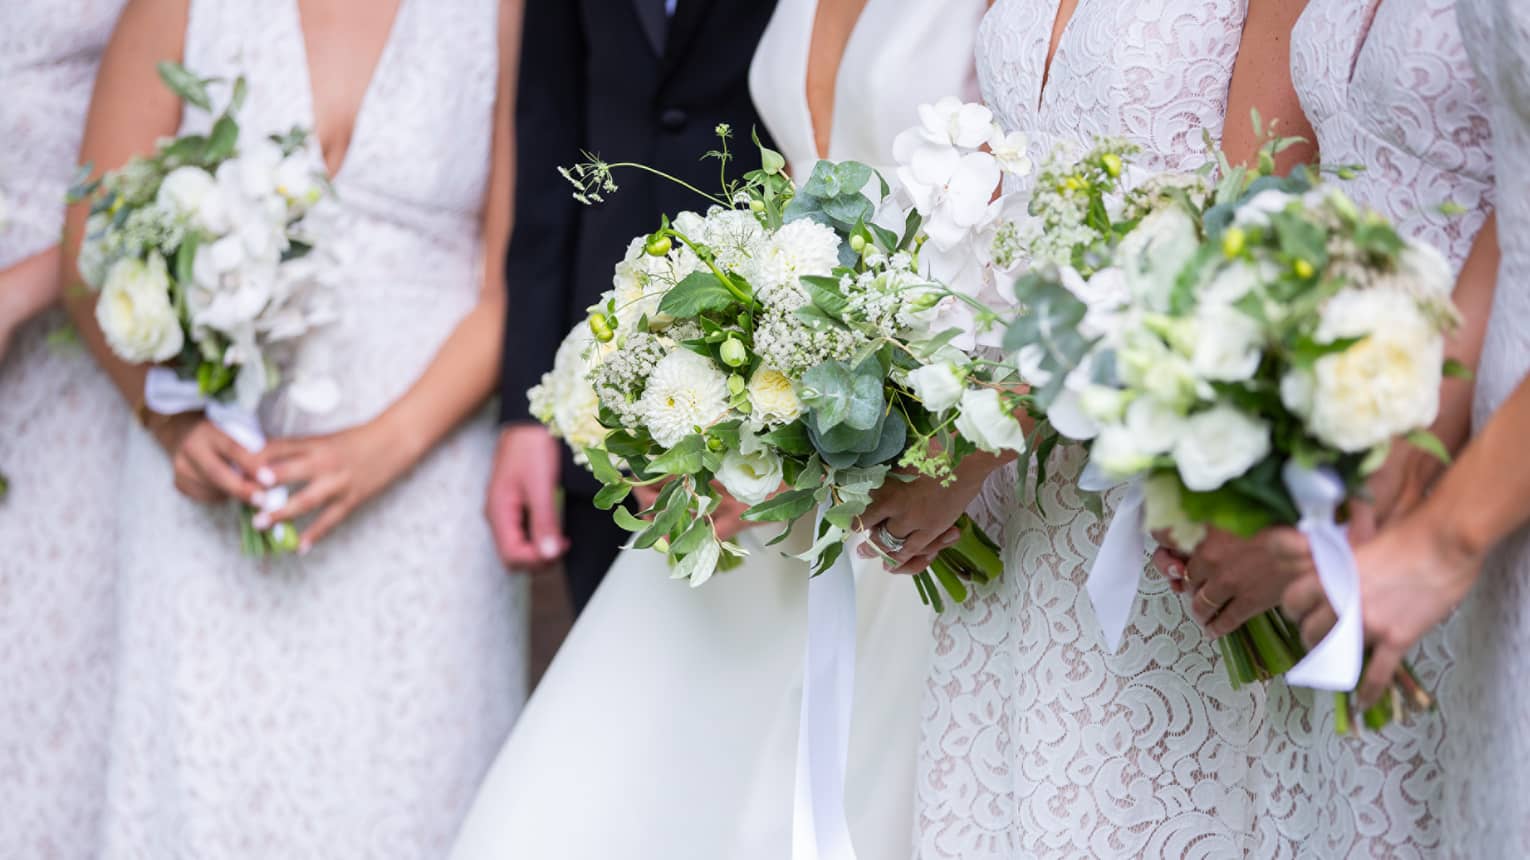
(819,828)
(1334,664)
(1118,566)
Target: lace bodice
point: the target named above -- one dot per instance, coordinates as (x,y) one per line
(48,55)
(1038,741)
(1388,86)
(886,72)
(1486,782)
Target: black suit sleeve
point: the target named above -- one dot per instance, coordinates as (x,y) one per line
(539,266)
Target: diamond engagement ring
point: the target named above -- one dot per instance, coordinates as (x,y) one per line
(891,544)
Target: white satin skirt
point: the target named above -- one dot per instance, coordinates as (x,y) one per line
(666,728)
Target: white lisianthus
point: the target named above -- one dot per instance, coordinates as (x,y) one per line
(987,424)
(1155,427)
(1067,414)
(1119,454)
(1152,255)
(938,386)
(135,312)
(1218,445)
(685,394)
(773,398)
(183,193)
(1163,510)
(1386,385)
(750,478)
(1228,344)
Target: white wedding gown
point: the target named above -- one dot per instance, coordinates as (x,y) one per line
(1388,85)
(666,728)
(1487,752)
(1038,742)
(344,704)
(62,428)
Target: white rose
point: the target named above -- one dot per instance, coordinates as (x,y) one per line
(1228,344)
(1145,362)
(987,424)
(1163,510)
(1152,255)
(136,314)
(1118,453)
(1256,211)
(1218,445)
(938,386)
(1384,386)
(750,478)
(773,398)
(183,191)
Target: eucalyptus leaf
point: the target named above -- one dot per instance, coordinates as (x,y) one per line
(183,83)
(782,508)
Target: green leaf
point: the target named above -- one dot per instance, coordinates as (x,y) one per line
(1305,351)
(826,295)
(771,162)
(782,508)
(601,467)
(698,533)
(1430,444)
(683,459)
(627,519)
(241,92)
(183,83)
(697,293)
(701,563)
(185,255)
(611,495)
(223,139)
(790,439)
(893,438)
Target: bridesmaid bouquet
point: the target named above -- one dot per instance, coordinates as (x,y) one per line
(789,347)
(202,255)
(1246,356)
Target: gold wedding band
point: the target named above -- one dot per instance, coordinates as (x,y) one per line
(1200,595)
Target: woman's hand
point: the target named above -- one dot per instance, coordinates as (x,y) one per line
(336,474)
(209,465)
(921,514)
(1234,579)
(1411,578)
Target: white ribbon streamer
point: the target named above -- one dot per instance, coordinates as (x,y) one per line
(165,393)
(1118,566)
(820,830)
(1335,663)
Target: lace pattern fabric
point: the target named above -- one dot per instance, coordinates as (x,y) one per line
(1486,782)
(1388,86)
(346,703)
(62,429)
(1037,741)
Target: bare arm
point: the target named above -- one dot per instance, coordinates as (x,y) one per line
(1261,80)
(27,288)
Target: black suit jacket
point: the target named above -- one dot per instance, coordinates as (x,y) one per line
(618,79)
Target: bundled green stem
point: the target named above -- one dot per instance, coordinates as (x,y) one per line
(973,558)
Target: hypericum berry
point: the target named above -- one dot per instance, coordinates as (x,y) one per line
(1112,164)
(600,326)
(1303,269)
(658,246)
(1234,240)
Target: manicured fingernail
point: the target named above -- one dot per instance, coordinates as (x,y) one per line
(265,476)
(1176,570)
(548,547)
(304,547)
(258,499)
(262,521)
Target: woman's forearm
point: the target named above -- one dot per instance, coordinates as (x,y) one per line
(1485,496)
(29,287)
(1474,297)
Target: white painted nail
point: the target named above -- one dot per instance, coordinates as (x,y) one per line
(258,499)
(262,521)
(265,476)
(549,547)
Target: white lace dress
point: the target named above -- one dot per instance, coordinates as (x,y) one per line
(1487,780)
(62,428)
(347,703)
(1038,742)
(1388,85)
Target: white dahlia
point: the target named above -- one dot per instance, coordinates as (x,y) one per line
(685,393)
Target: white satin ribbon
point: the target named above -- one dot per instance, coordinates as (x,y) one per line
(819,828)
(165,393)
(1118,566)
(1335,663)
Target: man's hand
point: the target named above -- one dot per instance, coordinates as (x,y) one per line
(522,507)
(728,518)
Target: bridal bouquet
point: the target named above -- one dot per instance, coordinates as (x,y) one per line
(202,254)
(789,347)
(1245,355)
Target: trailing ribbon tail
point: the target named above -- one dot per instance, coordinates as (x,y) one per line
(820,830)
(1335,663)
(1118,566)
(167,394)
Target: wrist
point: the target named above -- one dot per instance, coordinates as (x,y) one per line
(397,440)
(1456,539)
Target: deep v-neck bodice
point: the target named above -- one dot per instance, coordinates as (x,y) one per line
(900,54)
(379,69)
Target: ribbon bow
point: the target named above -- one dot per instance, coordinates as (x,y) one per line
(1118,566)
(1335,663)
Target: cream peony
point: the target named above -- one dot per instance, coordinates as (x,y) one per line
(1218,445)
(987,424)
(773,398)
(750,478)
(136,314)
(1384,386)
(1162,510)
(685,394)
(938,386)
